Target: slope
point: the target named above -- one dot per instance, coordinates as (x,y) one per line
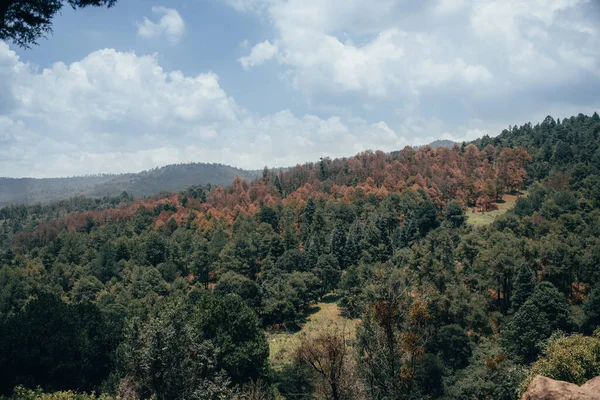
(170,178)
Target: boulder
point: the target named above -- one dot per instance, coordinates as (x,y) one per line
(542,388)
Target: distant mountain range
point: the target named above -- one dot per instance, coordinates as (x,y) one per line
(170,178)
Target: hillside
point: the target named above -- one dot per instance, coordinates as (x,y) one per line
(169,178)
(221,287)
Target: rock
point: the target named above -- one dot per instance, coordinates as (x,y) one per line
(542,388)
(593,385)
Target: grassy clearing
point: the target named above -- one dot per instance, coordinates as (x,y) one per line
(324,315)
(485,218)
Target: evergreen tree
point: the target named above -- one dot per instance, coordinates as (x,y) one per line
(523,287)
(309,211)
(544,312)
(338,245)
(591,309)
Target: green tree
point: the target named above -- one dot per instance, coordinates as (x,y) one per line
(105,266)
(544,312)
(328,272)
(452,345)
(232,283)
(591,310)
(338,245)
(309,211)
(523,287)
(167,356)
(269,216)
(429,374)
(55,346)
(454,214)
(235,330)
(25,21)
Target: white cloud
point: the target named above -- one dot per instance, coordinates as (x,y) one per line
(118,112)
(171,25)
(260,53)
(397,50)
(379,74)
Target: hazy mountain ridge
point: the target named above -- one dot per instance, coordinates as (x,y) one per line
(168,178)
(438,143)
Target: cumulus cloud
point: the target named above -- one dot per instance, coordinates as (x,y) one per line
(399,51)
(170,24)
(260,53)
(375,75)
(118,112)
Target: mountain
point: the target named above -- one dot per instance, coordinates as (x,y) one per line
(438,143)
(170,178)
(442,143)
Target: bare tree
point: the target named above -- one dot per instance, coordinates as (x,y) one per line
(330,356)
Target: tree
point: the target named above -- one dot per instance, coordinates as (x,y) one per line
(329,355)
(338,245)
(328,272)
(591,310)
(105,266)
(232,283)
(544,312)
(523,287)
(167,356)
(56,346)
(429,374)
(390,336)
(269,216)
(453,346)
(454,214)
(490,375)
(25,21)
(309,211)
(427,217)
(235,330)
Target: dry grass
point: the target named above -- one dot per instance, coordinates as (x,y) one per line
(324,315)
(485,218)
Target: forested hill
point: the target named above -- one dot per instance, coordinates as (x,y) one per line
(170,178)
(179,295)
(568,146)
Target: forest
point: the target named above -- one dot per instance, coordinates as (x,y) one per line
(181,294)
(169,178)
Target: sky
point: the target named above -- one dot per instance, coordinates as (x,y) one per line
(251,83)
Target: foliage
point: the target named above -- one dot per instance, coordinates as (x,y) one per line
(574,359)
(544,312)
(56,346)
(22,393)
(452,345)
(186,284)
(330,358)
(591,308)
(168,356)
(24,22)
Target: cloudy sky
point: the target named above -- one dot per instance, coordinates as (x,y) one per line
(251,83)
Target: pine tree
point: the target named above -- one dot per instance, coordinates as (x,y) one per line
(309,211)
(523,287)
(353,248)
(338,245)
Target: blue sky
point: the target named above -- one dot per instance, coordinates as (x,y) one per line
(278,82)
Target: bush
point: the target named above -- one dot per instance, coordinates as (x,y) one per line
(574,359)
